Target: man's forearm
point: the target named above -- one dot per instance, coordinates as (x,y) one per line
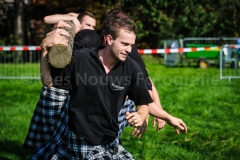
(155,95)
(155,111)
(171,120)
(52,19)
(45,69)
(73,14)
(52,38)
(143,111)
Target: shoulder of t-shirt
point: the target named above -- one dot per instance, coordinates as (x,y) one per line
(134,50)
(84,52)
(85,32)
(132,63)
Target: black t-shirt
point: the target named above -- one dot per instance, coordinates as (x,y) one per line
(92,39)
(97,97)
(135,56)
(87,39)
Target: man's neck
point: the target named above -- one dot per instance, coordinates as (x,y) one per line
(107,59)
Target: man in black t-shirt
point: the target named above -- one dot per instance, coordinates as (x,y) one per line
(100,80)
(92,38)
(95,127)
(95,103)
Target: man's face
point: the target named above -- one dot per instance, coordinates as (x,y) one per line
(122,45)
(88,23)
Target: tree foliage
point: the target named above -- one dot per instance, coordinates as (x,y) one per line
(160,19)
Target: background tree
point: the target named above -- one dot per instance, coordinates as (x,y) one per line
(157,20)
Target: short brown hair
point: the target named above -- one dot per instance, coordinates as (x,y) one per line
(83,14)
(115,20)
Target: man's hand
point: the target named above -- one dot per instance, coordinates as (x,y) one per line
(134,119)
(138,131)
(77,24)
(54,38)
(73,14)
(177,124)
(63,25)
(159,122)
(58,31)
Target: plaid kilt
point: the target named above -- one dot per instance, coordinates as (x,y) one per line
(80,149)
(122,121)
(63,139)
(45,117)
(57,148)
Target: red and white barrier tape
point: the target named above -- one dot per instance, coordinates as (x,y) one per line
(20,48)
(141,51)
(180,50)
(176,50)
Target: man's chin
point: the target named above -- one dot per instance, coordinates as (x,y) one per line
(122,59)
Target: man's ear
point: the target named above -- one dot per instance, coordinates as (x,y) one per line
(109,39)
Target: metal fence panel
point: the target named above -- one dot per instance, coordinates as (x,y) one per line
(172,59)
(20,62)
(229,62)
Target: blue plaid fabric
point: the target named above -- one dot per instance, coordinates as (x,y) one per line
(80,149)
(122,121)
(63,139)
(58,146)
(45,117)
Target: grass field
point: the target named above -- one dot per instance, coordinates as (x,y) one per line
(209,106)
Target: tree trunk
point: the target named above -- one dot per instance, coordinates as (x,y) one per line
(59,55)
(18,21)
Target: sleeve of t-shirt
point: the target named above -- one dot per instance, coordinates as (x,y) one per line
(79,43)
(135,56)
(138,91)
(87,39)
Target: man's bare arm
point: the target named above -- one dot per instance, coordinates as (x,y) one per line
(52,38)
(171,120)
(45,71)
(55,18)
(73,14)
(156,121)
(52,19)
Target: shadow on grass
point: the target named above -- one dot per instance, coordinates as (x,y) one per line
(13,150)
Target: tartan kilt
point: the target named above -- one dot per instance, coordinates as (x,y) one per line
(45,117)
(57,148)
(128,106)
(66,144)
(80,149)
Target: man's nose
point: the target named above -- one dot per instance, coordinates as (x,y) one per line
(129,49)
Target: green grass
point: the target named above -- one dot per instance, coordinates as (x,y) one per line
(18,99)
(209,106)
(20,69)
